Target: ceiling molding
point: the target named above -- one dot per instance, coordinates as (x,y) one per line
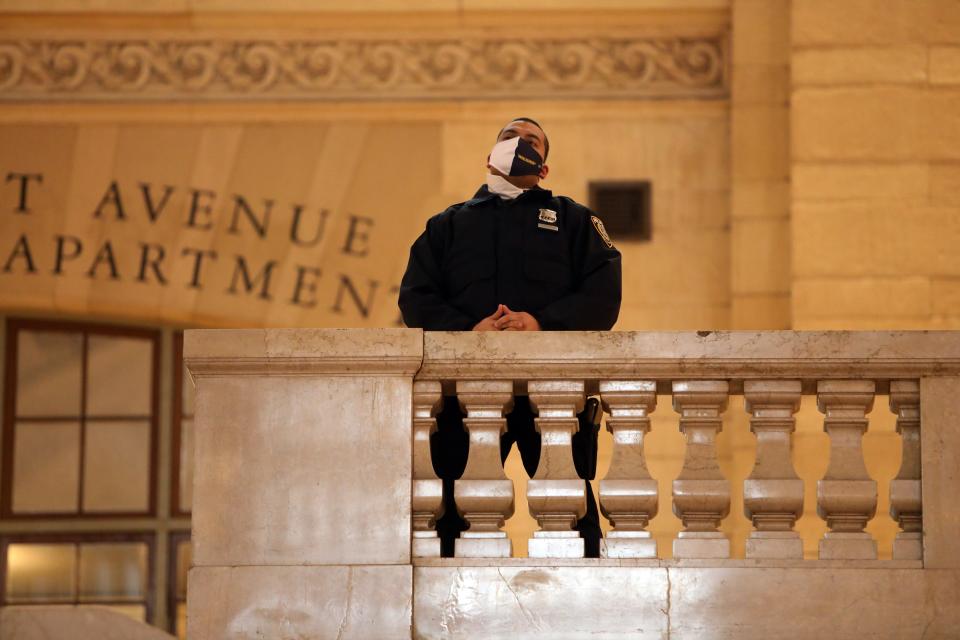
(469,66)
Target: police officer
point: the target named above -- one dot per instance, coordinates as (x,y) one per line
(513,258)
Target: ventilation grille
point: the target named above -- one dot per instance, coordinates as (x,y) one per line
(624,208)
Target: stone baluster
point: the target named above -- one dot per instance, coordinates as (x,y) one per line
(906,505)
(846,496)
(701,495)
(628,495)
(773,494)
(483,493)
(427,496)
(556,494)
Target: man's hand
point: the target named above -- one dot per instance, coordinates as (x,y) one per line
(515,320)
(489,323)
(505,319)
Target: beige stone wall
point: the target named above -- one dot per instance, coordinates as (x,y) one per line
(875,163)
(759,163)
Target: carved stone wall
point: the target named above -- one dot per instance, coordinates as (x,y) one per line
(484,66)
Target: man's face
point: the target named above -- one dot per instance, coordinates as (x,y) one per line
(528,131)
(534,135)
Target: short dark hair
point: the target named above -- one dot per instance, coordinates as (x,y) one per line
(546,140)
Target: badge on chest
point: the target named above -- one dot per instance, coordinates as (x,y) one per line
(548,220)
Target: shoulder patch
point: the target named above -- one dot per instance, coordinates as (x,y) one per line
(598,225)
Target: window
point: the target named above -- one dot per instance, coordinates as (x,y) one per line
(111,571)
(80,420)
(625,207)
(80,509)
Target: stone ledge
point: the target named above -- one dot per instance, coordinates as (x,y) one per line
(679,603)
(592,355)
(335,352)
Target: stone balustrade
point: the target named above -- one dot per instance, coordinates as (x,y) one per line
(316,496)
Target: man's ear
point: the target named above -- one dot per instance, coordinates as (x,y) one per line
(544,170)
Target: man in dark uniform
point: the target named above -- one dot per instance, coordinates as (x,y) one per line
(513,258)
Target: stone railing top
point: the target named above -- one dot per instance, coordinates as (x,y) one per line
(588,355)
(807,355)
(211,352)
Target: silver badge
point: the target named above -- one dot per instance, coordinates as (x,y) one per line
(548,215)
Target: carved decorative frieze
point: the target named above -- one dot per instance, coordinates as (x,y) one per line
(472,67)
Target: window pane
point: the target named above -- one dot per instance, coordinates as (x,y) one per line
(48,373)
(119,372)
(187,393)
(40,572)
(46,467)
(186,465)
(113,571)
(116,466)
(184,559)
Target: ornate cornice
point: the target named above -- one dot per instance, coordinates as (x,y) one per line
(478,66)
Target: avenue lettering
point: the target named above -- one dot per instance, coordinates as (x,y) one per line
(245,215)
(250,273)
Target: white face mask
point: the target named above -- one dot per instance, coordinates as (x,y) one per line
(504,189)
(515,157)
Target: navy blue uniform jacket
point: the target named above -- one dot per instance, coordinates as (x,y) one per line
(489,251)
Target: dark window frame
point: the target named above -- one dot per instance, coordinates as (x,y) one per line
(176,510)
(13,327)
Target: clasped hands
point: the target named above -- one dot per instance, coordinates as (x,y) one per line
(505,319)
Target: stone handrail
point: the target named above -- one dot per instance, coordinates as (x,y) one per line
(741,355)
(771,369)
(307,442)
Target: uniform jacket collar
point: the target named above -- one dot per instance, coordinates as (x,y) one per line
(483,194)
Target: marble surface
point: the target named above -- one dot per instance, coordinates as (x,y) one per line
(302,351)
(774,544)
(741,604)
(664,355)
(940,458)
(701,545)
(539,602)
(574,602)
(74,623)
(612,546)
(293,603)
(302,470)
